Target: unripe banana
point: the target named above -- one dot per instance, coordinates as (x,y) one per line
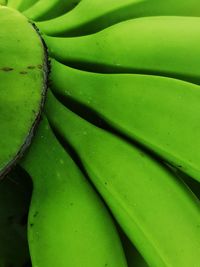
(159,214)
(91,16)
(68,223)
(47,9)
(22,84)
(161,113)
(166,46)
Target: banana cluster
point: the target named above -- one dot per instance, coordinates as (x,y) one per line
(115,160)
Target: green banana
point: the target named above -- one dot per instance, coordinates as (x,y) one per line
(68,224)
(156,45)
(157,212)
(160,113)
(47,9)
(15,193)
(91,16)
(23,70)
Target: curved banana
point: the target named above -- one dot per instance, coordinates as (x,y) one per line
(47,9)
(160,113)
(68,223)
(166,46)
(90,16)
(157,211)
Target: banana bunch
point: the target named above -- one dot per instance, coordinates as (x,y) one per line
(115,157)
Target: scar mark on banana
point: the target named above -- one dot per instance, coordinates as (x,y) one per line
(31,67)
(23,72)
(6,69)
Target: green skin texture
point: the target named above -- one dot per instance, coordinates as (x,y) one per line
(68,223)
(14,202)
(160,113)
(90,16)
(166,46)
(157,211)
(48,9)
(22,84)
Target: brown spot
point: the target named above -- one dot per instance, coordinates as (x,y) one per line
(7,69)
(31,67)
(23,72)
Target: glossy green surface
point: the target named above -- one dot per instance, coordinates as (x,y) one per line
(68,223)
(158,213)
(22,84)
(163,46)
(90,16)
(160,113)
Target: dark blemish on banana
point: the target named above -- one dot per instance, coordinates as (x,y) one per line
(31,224)
(36,214)
(31,67)
(105,183)
(6,69)
(39,66)
(23,72)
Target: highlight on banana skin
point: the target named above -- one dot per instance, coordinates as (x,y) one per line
(99,133)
